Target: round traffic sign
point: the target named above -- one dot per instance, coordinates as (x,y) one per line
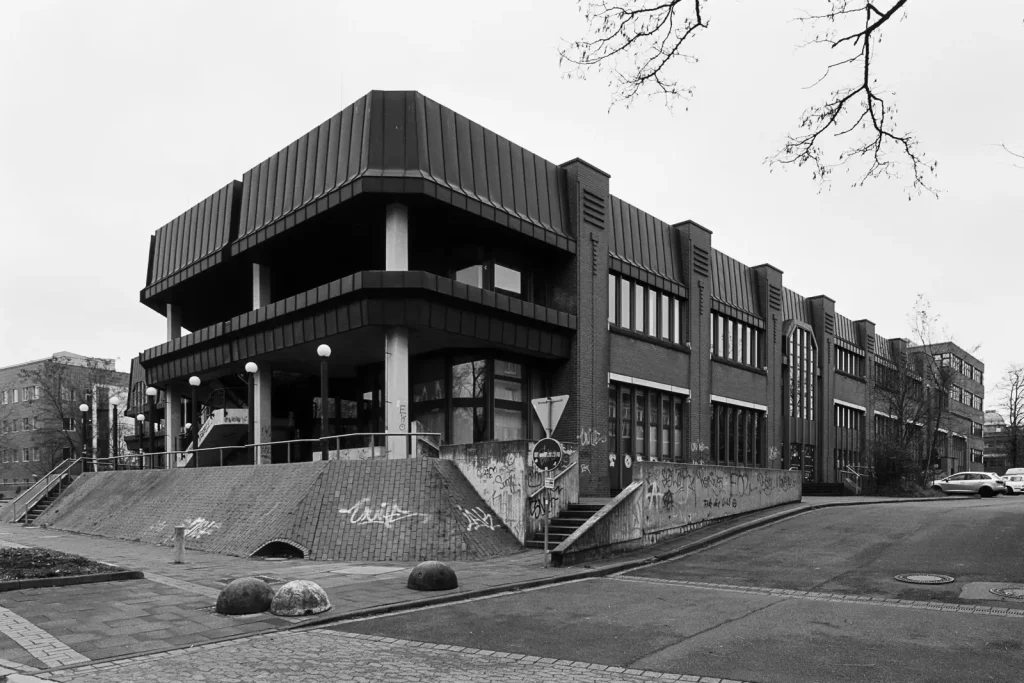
(547,454)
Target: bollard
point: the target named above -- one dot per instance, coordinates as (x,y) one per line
(179,544)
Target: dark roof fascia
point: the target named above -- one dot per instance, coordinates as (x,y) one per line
(358,286)
(619,265)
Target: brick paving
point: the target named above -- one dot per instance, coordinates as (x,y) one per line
(352,657)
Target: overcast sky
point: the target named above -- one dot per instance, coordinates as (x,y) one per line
(117,116)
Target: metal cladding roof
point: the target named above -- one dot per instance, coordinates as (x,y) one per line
(383,142)
(644,241)
(405,135)
(733,283)
(845,330)
(197,234)
(794,306)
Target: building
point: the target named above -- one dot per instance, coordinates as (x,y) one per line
(998,442)
(40,420)
(455,276)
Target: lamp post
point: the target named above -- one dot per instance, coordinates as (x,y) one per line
(324,351)
(194,432)
(140,423)
(84,408)
(151,405)
(114,402)
(251,369)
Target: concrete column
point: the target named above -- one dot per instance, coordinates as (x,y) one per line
(396,237)
(172,395)
(172,421)
(173,322)
(396,389)
(260,286)
(396,339)
(261,408)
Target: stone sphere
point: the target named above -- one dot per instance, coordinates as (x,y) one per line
(299,599)
(247,595)
(433,576)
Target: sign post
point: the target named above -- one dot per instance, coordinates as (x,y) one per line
(547,456)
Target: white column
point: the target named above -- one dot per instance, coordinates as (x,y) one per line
(173,322)
(396,339)
(260,286)
(172,394)
(261,406)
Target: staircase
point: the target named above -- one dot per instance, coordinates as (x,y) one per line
(824,489)
(40,507)
(563,526)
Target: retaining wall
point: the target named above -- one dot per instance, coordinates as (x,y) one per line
(385,510)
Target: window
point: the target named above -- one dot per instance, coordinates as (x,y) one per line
(5,427)
(645,424)
(638,306)
(14,396)
(976,454)
(509,404)
(35,454)
(3,455)
(644,309)
(69,424)
(802,373)
(735,341)
(26,424)
(978,403)
(14,425)
(35,422)
(469,401)
(737,435)
(3,397)
(849,362)
(612,298)
(955,393)
(493,276)
(25,454)
(29,394)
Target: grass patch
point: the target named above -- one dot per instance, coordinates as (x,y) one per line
(40,563)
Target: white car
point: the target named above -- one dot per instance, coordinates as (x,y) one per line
(983,483)
(1014,484)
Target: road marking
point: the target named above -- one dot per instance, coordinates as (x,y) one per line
(833,597)
(36,641)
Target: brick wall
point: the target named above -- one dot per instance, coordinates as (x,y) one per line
(372,511)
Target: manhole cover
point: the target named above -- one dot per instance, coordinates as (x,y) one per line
(1017,593)
(925,578)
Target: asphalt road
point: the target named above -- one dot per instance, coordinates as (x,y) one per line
(749,627)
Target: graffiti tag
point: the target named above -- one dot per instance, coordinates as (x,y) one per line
(199,527)
(387,515)
(476,518)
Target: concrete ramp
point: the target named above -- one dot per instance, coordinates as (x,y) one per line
(385,510)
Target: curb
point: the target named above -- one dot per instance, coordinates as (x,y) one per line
(51,581)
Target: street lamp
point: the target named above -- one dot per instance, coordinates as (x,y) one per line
(193,427)
(251,368)
(151,405)
(324,351)
(114,402)
(84,408)
(140,427)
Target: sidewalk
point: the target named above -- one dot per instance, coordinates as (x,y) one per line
(172,607)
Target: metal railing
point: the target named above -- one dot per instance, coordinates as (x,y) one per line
(294,450)
(39,490)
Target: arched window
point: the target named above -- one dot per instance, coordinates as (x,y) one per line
(803,353)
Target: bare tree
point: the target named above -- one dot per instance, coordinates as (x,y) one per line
(638,42)
(1012,402)
(1013,154)
(62,385)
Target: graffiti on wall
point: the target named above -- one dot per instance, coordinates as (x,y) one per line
(679,494)
(387,515)
(199,527)
(591,437)
(476,518)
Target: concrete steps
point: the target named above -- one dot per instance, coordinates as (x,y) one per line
(565,524)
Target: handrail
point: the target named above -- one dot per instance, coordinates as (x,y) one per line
(31,496)
(556,477)
(221,449)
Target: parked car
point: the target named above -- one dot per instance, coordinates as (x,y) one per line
(1014,483)
(982,483)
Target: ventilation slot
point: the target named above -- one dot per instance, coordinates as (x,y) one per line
(593,209)
(775,298)
(830,323)
(701,262)
(871,343)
